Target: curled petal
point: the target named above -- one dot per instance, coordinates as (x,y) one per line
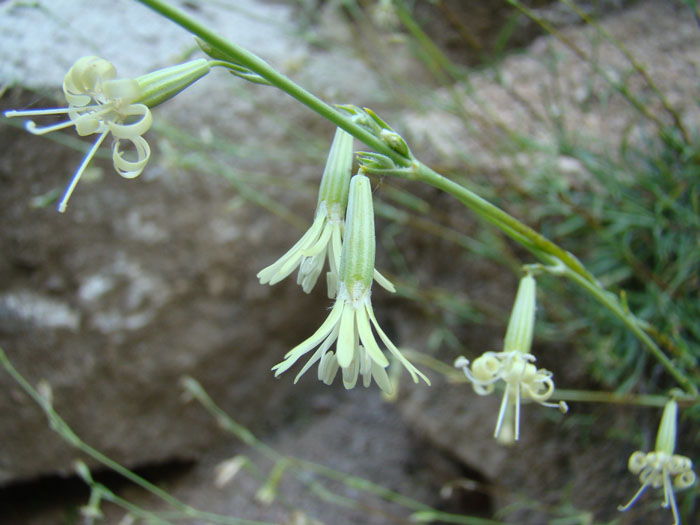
(637,461)
(684,480)
(127,168)
(85,78)
(134,129)
(328,368)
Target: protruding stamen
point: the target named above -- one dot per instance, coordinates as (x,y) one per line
(32,128)
(74,182)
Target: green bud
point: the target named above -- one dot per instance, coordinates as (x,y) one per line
(395,142)
(164,84)
(522,318)
(357,256)
(375,161)
(335,182)
(666,437)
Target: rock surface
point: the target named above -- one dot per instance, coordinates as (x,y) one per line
(144,281)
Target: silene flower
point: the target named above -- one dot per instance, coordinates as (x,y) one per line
(514,366)
(101,104)
(663,468)
(348,327)
(324,238)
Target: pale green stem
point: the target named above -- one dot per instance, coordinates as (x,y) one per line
(611,302)
(61,427)
(245,58)
(591,396)
(547,251)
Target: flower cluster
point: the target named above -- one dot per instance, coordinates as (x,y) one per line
(101,104)
(351,319)
(514,366)
(663,468)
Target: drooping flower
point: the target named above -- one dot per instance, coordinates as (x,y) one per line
(324,238)
(349,324)
(514,366)
(663,468)
(99,103)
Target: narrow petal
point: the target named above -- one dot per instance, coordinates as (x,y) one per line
(350,374)
(323,331)
(347,340)
(382,378)
(384,282)
(321,244)
(322,350)
(290,260)
(368,340)
(415,373)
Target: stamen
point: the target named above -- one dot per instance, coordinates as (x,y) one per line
(73,183)
(28,112)
(623,508)
(32,128)
(502,411)
(517,413)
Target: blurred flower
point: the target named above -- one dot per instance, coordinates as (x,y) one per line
(99,103)
(663,468)
(352,317)
(523,380)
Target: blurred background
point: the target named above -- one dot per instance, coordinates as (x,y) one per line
(579,118)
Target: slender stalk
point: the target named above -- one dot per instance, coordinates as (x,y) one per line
(547,251)
(59,425)
(610,301)
(245,58)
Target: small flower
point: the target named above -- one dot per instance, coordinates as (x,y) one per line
(514,366)
(662,467)
(324,238)
(352,317)
(99,103)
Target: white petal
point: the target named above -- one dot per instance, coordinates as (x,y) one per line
(347,338)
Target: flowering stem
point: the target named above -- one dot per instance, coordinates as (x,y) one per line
(547,251)
(245,58)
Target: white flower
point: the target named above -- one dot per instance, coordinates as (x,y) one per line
(98,103)
(663,468)
(324,238)
(523,380)
(351,319)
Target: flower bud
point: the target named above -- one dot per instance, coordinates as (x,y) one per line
(357,256)
(335,183)
(162,85)
(666,436)
(522,318)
